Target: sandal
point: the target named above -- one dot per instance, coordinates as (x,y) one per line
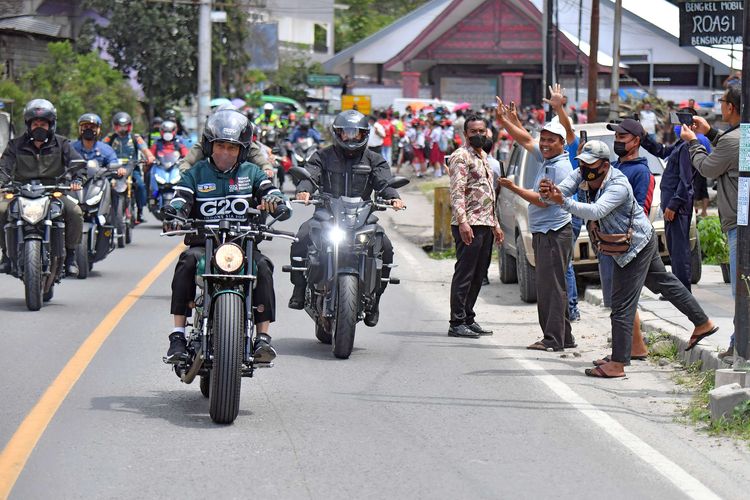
(607,359)
(597,372)
(539,346)
(694,339)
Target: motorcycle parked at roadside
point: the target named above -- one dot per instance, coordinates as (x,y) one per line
(220,342)
(95,201)
(164,176)
(35,235)
(344,266)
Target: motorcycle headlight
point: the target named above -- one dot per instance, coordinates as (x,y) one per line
(229,257)
(336,235)
(160,179)
(363,238)
(33,210)
(95,199)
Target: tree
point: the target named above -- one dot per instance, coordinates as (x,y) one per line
(291,78)
(75,84)
(158,41)
(365,17)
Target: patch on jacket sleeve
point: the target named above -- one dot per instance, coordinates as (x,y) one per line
(207,187)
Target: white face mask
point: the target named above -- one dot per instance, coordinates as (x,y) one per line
(168,136)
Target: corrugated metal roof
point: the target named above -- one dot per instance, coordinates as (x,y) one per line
(29,24)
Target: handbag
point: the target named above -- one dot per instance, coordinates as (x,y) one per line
(612,244)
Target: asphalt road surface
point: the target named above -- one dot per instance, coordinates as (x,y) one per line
(412,414)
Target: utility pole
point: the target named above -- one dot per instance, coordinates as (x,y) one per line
(204,63)
(742,277)
(578,50)
(593,62)
(548,78)
(614,95)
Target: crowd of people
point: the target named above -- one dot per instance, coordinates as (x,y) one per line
(576,183)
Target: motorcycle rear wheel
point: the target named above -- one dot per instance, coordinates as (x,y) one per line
(346,316)
(226,377)
(32,274)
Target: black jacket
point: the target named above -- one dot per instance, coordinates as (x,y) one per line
(329,168)
(22,161)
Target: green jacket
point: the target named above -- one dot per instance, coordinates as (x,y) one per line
(204,192)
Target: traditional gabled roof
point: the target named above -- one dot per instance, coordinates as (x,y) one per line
(30,24)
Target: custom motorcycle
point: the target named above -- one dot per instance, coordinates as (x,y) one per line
(344,264)
(220,343)
(35,235)
(164,176)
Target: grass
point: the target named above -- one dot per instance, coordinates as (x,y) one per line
(427,187)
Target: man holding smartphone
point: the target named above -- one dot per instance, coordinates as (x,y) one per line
(550,227)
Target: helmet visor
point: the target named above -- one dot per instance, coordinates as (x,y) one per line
(350,133)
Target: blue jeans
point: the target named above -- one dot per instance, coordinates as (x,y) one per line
(606,270)
(140,188)
(732,240)
(388,154)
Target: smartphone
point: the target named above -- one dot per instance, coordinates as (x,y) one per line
(685,118)
(584,137)
(549,172)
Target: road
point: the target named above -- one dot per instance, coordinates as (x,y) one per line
(412,414)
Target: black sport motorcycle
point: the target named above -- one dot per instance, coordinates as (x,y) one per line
(35,235)
(220,343)
(96,203)
(344,263)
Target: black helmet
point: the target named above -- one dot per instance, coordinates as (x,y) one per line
(170,114)
(40,108)
(228,125)
(304,123)
(350,131)
(121,118)
(156,121)
(90,118)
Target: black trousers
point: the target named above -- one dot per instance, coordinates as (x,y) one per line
(647,269)
(472,262)
(552,252)
(183,285)
(299,249)
(678,243)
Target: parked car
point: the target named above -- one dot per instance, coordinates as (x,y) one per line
(516,255)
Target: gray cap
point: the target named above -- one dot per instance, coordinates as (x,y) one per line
(593,151)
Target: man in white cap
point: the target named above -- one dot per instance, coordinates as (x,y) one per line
(550,227)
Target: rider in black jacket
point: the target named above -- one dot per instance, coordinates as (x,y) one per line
(328,168)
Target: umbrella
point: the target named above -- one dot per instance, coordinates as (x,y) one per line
(238,102)
(218,101)
(462,106)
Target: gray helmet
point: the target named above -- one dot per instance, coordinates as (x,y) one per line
(121,118)
(228,125)
(350,131)
(40,108)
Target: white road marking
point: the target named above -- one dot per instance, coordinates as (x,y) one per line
(678,476)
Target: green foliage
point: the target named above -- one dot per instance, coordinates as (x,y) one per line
(75,84)
(291,78)
(365,17)
(713,241)
(159,41)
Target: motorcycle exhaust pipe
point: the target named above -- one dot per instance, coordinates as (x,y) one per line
(190,375)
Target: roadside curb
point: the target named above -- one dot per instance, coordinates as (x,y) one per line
(706,354)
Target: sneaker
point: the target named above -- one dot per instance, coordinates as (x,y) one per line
(263,351)
(372,316)
(177,348)
(298,298)
(71,267)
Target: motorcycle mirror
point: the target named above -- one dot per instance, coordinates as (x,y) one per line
(397,182)
(76,165)
(362,169)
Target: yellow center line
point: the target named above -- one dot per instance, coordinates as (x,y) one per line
(19,448)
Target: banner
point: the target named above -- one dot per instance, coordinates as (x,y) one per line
(710,23)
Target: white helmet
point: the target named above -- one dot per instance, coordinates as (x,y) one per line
(268,107)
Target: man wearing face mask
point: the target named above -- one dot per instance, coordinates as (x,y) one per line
(473,224)
(90,147)
(224,174)
(40,154)
(550,227)
(628,136)
(609,201)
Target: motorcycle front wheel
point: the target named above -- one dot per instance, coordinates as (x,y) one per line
(82,257)
(346,316)
(226,376)
(32,274)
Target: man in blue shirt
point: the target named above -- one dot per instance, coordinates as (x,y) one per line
(90,147)
(550,227)
(304,130)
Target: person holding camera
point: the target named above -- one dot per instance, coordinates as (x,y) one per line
(620,228)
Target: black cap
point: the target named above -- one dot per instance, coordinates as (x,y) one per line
(627,126)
